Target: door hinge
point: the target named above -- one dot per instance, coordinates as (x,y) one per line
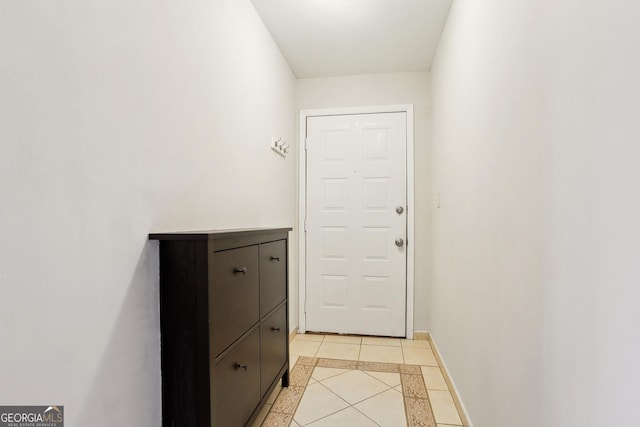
(305,225)
(306,143)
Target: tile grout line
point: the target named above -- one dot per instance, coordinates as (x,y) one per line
(287,415)
(414,410)
(315,354)
(373,395)
(390,386)
(332,376)
(365,415)
(333,413)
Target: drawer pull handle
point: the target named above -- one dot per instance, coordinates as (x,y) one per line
(242,270)
(241,366)
(275,258)
(274,329)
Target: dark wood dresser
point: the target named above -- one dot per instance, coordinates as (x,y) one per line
(224,324)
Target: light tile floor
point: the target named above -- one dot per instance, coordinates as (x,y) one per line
(345,397)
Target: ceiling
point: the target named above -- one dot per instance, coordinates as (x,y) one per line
(321,38)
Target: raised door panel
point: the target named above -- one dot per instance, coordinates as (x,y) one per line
(273,346)
(233,296)
(273,275)
(236,384)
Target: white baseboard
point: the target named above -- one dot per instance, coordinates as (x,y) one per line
(420,335)
(462,411)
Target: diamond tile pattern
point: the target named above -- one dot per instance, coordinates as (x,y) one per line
(362,382)
(385,409)
(318,402)
(355,386)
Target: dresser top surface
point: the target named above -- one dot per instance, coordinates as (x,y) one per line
(216,234)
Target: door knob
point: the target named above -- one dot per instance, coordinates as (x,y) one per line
(399,210)
(399,242)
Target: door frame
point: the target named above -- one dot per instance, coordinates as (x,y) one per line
(302,203)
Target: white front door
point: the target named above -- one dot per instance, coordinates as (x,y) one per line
(356,224)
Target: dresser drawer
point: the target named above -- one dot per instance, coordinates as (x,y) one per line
(233,295)
(236,384)
(273,346)
(273,275)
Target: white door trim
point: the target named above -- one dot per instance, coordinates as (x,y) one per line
(302,197)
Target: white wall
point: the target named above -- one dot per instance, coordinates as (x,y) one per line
(389,89)
(591,240)
(535,303)
(116,119)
